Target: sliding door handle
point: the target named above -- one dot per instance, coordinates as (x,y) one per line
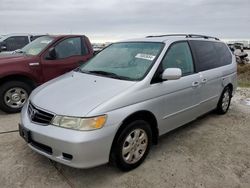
(204,80)
(195,84)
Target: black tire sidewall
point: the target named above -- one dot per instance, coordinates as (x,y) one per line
(5,87)
(117,149)
(219,106)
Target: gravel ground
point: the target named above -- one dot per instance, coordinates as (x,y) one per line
(213,151)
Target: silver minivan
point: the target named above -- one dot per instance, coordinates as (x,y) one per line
(114,107)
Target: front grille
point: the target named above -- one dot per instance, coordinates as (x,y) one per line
(39,116)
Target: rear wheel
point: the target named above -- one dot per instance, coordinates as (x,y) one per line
(225,101)
(132,145)
(13,96)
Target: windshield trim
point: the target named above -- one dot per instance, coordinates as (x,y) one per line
(140,79)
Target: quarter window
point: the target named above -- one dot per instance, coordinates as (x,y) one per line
(179,56)
(223,54)
(68,47)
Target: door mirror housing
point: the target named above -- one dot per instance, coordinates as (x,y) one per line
(51,54)
(3,47)
(171,74)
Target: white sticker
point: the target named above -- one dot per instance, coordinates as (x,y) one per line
(145,56)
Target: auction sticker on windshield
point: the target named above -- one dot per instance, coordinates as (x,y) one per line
(145,56)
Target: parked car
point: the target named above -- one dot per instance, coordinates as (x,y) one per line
(240,54)
(116,105)
(97,47)
(13,42)
(41,60)
(245,44)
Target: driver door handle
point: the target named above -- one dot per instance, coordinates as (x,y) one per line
(195,84)
(34,64)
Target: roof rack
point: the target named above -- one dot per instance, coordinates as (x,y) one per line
(201,36)
(185,35)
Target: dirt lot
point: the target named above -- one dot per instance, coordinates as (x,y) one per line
(213,151)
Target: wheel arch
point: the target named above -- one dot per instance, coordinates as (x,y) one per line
(141,115)
(230,86)
(18,77)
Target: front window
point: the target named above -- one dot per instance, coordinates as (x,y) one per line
(179,56)
(125,60)
(35,47)
(68,48)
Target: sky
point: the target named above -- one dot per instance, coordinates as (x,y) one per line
(113,20)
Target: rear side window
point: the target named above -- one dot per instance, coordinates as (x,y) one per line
(17,42)
(209,55)
(179,56)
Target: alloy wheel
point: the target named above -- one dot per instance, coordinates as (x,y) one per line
(134,146)
(15,97)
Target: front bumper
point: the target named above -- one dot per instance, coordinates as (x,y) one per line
(79,149)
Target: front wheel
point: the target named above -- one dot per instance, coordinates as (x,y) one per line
(13,96)
(132,145)
(224,102)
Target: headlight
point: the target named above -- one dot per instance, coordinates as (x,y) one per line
(82,124)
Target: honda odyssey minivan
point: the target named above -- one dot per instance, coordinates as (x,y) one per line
(114,107)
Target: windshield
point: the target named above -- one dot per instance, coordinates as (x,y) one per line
(36,46)
(126,60)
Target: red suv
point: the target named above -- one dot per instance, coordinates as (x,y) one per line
(41,60)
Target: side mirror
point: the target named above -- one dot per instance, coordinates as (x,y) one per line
(171,74)
(3,47)
(51,54)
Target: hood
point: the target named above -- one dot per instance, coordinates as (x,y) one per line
(76,94)
(13,58)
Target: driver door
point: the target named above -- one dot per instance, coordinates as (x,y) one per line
(179,98)
(69,54)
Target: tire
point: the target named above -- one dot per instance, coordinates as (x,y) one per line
(13,95)
(126,159)
(225,101)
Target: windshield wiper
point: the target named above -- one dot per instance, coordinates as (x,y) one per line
(103,73)
(108,74)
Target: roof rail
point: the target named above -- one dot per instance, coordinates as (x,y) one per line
(201,36)
(185,35)
(169,35)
